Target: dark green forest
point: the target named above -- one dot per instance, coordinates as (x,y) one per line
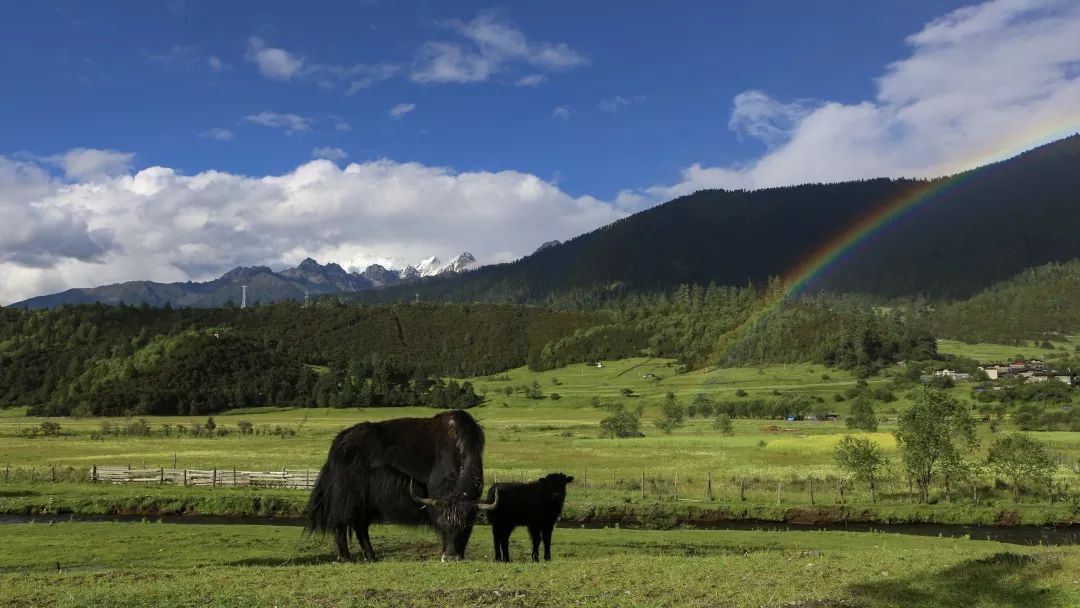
(96,359)
(1037,304)
(978,228)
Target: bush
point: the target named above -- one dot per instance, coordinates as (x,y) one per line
(722,423)
(554,396)
(741,393)
(50,428)
(621,424)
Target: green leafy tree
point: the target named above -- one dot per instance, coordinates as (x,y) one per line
(861,458)
(932,433)
(1022,461)
(621,423)
(722,423)
(862,415)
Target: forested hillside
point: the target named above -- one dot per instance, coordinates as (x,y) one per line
(96,359)
(99,358)
(1037,303)
(979,228)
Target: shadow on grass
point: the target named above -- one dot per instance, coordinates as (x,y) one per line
(1008,580)
(18,493)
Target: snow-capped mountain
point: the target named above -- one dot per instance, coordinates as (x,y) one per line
(264,285)
(429,267)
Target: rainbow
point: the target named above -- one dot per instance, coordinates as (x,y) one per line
(843,245)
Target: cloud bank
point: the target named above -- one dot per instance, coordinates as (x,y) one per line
(978,81)
(99,227)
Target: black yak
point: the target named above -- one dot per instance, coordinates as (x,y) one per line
(536,505)
(408,471)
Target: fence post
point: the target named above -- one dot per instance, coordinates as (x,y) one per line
(708,488)
(811,490)
(185,478)
(93,473)
(676,485)
(213,479)
(52,471)
(779,485)
(643,484)
(161,476)
(234,478)
(174,460)
(742,490)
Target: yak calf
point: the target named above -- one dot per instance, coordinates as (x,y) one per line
(535,505)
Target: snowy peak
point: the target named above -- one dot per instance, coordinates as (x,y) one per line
(409,274)
(459,264)
(429,267)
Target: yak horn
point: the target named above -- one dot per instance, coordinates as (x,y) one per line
(487,506)
(427,502)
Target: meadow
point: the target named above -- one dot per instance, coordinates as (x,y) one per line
(766,462)
(155,564)
(642,556)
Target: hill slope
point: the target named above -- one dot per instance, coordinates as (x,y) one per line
(987,225)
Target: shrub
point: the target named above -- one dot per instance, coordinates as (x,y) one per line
(741,393)
(621,424)
(554,396)
(722,423)
(50,428)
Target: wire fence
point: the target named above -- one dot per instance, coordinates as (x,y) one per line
(595,484)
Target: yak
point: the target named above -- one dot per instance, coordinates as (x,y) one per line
(373,472)
(536,505)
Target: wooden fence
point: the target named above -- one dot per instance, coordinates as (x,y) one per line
(296,479)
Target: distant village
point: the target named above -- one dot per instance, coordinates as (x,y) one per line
(1030,371)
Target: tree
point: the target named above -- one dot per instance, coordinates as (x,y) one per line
(722,423)
(1022,461)
(861,458)
(50,428)
(862,415)
(930,434)
(621,423)
(673,414)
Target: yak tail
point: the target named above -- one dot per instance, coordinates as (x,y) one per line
(321,503)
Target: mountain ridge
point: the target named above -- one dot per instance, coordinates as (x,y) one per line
(264,285)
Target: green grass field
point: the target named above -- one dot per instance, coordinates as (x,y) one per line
(1001,353)
(123,564)
(528,437)
(150,564)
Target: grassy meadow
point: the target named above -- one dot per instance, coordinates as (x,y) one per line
(153,564)
(765,462)
(157,564)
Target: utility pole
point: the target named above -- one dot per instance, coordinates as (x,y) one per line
(243,297)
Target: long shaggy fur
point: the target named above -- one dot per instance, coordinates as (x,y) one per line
(369,468)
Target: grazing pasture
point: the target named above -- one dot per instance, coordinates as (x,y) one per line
(152,564)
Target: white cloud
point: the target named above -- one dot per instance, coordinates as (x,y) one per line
(291,123)
(979,84)
(532,80)
(494,46)
(87,164)
(280,64)
(216,64)
(562,112)
(401,110)
(329,153)
(273,63)
(217,134)
(610,105)
(178,54)
(761,117)
(158,224)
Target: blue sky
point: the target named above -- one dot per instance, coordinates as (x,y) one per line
(135,77)
(173,141)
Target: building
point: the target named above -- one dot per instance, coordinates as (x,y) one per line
(991,372)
